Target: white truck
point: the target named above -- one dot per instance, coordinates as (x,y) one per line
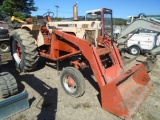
(143,42)
(142,36)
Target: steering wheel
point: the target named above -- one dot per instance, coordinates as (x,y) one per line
(142,15)
(51,14)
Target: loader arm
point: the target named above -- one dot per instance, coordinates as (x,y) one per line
(88,50)
(17,19)
(122,91)
(140,24)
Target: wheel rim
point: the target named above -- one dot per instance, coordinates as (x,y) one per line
(134,51)
(17,51)
(69,84)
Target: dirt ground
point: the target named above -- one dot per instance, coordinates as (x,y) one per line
(48,101)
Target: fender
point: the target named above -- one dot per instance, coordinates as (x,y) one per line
(36,32)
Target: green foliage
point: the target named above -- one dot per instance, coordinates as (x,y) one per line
(17,8)
(20,15)
(119,21)
(57,19)
(1,2)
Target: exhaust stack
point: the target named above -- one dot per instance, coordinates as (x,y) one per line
(75,12)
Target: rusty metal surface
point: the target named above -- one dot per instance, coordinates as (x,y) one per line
(124,95)
(136,96)
(112,100)
(119,89)
(103,51)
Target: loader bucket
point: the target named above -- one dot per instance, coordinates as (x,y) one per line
(125,94)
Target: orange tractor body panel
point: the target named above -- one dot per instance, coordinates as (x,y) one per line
(122,91)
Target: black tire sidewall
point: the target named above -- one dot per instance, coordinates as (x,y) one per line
(134,47)
(8,85)
(77,78)
(29,52)
(3,88)
(11,83)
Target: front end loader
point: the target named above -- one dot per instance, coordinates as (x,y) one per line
(122,90)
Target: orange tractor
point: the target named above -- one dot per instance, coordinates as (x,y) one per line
(122,91)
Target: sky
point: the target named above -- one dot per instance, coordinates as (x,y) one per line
(120,8)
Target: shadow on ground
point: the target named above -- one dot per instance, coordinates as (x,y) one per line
(47,103)
(87,73)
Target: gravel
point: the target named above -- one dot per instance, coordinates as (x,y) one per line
(48,101)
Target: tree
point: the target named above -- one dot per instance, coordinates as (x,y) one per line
(119,21)
(17,8)
(1,2)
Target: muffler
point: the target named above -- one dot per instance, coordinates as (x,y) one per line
(75,12)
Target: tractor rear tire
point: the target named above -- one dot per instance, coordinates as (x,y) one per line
(72,81)
(24,50)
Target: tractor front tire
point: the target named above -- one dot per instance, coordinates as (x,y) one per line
(72,81)
(24,50)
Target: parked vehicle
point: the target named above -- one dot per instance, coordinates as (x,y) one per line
(142,36)
(87,44)
(143,42)
(4,38)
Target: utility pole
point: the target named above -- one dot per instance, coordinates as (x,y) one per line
(57,10)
